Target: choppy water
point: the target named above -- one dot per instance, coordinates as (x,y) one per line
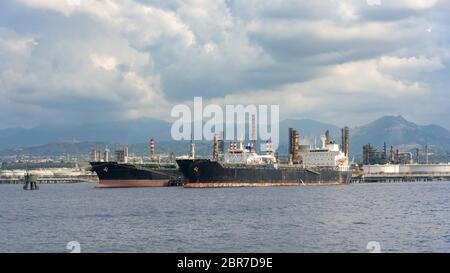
(413,217)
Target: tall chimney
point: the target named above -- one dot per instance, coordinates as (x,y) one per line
(192,148)
(216,148)
(253,137)
(106,155)
(152,150)
(221,144)
(347,140)
(296,151)
(291,145)
(426,154)
(125,152)
(294,146)
(327,137)
(392,155)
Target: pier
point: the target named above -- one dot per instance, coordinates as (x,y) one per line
(397,178)
(51,180)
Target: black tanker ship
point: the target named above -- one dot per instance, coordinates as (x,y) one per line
(123,175)
(243,167)
(202,173)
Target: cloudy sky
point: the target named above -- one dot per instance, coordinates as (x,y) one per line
(346,62)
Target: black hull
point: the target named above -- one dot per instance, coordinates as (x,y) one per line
(121,175)
(207,173)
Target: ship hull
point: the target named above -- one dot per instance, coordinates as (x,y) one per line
(204,173)
(132,183)
(117,175)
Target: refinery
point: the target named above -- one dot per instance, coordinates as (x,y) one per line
(238,164)
(379,166)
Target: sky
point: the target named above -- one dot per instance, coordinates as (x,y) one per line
(345,62)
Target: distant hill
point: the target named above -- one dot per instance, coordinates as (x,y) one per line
(398,131)
(82,149)
(130,131)
(80,139)
(125,132)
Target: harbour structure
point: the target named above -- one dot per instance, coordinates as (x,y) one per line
(47,176)
(398,166)
(404,173)
(30,182)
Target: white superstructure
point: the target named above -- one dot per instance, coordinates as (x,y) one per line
(329,155)
(247,155)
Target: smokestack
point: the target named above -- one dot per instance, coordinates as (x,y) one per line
(152,150)
(192,149)
(392,155)
(221,144)
(347,142)
(95,155)
(216,148)
(385,151)
(426,154)
(323,138)
(106,155)
(294,146)
(417,155)
(327,137)
(291,145)
(253,137)
(296,158)
(125,152)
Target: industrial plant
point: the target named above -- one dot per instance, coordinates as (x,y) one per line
(379,166)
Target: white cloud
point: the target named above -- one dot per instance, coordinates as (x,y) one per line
(15,48)
(352,85)
(141,23)
(413,4)
(331,31)
(137,58)
(108,63)
(409,65)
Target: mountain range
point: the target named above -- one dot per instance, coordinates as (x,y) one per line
(57,139)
